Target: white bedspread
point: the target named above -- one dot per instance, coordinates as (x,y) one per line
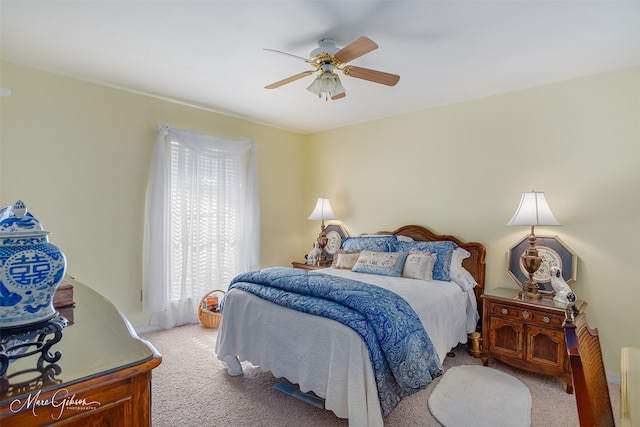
(326,357)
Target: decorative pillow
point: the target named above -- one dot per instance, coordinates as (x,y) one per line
(419,265)
(382,263)
(345,259)
(376,243)
(442,249)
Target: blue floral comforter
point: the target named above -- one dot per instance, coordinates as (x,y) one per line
(402,355)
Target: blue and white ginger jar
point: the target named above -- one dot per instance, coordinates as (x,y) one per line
(31,269)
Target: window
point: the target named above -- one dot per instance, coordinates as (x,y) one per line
(201,221)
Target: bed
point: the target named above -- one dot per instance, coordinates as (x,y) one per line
(337,361)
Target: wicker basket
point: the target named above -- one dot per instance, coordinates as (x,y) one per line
(209,318)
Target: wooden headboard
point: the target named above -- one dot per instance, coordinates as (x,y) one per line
(474,264)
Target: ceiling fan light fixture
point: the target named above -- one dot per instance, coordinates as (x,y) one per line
(327,84)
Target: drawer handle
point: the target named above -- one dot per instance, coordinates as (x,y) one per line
(545,319)
(525,314)
(505,311)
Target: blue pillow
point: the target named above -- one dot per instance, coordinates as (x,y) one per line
(382,263)
(442,249)
(371,243)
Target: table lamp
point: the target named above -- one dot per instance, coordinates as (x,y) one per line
(322,211)
(533,210)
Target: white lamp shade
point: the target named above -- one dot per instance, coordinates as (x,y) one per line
(339,89)
(314,87)
(533,210)
(322,210)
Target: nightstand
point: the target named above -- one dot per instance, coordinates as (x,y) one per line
(526,334)
(305,266)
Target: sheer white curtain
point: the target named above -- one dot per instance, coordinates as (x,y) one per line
(202,221)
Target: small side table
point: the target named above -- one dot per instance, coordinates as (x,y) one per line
(526,334)
(305,266)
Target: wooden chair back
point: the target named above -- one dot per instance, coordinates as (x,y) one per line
(589,377)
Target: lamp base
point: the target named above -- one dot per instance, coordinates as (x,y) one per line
(530,292)
(531,262)
(322,243)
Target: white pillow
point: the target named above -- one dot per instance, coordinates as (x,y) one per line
(458,273)
(458,256)
(419,265)
(463,278)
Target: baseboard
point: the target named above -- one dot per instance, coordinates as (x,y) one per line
(146,328)
(613,377)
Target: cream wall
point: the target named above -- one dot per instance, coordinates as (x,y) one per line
(460,169)
(78,155)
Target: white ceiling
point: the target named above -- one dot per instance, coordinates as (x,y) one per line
(210,53)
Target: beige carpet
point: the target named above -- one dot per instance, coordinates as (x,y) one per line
(191,388)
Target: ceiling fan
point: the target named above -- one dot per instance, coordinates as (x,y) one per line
(327,58)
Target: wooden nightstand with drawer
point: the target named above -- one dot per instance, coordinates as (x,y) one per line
(305,266)
(525,334)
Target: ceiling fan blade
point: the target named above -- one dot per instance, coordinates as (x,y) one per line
(289,79)
(355,49)
(372,75)
(290,54)
(339,96)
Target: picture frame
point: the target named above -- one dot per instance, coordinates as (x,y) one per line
(335,233)
(554,253)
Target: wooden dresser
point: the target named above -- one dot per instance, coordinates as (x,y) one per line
(525,334)
(103,377)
